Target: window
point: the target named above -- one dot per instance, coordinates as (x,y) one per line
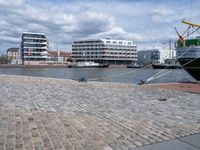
(120,42)
(107,41)
(129,43)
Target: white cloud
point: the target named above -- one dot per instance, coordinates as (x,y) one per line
(11,2)
(146,22)
(162,14)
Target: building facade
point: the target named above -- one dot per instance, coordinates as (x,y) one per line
(156,55)
(14,56)
(34,47)
(105,51)
(59,56)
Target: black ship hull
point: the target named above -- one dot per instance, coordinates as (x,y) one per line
(191,66)
(165,66)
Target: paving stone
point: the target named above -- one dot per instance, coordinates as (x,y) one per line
(42,113)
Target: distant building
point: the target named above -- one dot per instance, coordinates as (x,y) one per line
(14,56)
(156,55)
(60,56)
(105,51)
(34,48)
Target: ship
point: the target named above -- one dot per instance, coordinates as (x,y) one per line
(133,65)
(188,51)
(88,64)
(165,66)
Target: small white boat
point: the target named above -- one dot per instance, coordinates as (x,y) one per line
(88,64)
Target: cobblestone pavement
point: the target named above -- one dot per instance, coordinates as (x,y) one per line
(42,113)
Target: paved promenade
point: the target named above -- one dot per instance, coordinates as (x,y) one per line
(42,113)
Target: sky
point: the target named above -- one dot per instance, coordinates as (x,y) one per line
(148,23)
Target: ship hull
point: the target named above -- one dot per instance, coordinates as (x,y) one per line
(192,66)
(165,66)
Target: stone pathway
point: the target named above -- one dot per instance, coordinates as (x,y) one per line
(42,113)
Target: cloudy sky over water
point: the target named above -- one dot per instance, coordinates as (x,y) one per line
(147,22)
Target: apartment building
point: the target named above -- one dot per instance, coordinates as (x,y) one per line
(34,47)
(105,51)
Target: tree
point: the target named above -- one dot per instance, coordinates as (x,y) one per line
(4,59)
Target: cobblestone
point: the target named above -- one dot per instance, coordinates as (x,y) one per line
(47,114)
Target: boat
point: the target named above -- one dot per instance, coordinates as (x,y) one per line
(133,66)
(165,66)
(88,64)
(188,51)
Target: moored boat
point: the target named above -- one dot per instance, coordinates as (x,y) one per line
(88,64)
(133,66)
(166,66)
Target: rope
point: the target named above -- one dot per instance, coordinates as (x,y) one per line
(192,32)
(155,77)
(158,74)
(102,78)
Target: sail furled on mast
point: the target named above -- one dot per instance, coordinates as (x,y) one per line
(181,39)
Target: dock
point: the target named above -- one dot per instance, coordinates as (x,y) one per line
(45,113)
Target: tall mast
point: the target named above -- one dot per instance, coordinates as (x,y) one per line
(57,54)
(170,49)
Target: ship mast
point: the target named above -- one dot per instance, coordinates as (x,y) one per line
(191,24)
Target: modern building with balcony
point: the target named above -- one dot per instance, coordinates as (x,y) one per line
(34,47)
(107,51)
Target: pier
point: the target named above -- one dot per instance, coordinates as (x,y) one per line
(45,113)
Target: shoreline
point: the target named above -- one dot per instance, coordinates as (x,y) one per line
(193,87)
(34,66)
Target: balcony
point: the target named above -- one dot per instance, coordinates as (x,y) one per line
(44,47)
(26,42)
(36,38)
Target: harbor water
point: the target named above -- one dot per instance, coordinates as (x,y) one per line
(120,75)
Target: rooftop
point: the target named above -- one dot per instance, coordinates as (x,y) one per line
(33,33)
(13,50)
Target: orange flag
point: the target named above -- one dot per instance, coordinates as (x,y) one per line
(181,39)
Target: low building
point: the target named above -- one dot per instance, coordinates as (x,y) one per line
(34,47)
(14,56)
(105,51)
(156,55)
(59,56)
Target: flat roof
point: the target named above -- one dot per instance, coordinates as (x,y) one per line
(33,33)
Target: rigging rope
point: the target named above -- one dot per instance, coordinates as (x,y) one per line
(175,69)
(159,73)
(192,32)
(102,78)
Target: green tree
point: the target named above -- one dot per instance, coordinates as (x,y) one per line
(4,59)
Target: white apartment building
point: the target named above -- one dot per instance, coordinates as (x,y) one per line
(34,47)
(105,51)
